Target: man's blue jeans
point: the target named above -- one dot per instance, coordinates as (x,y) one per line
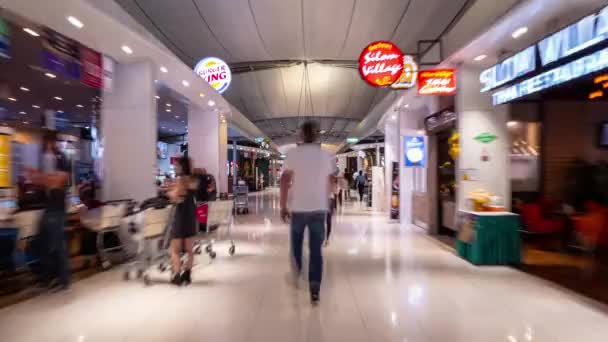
(316,235)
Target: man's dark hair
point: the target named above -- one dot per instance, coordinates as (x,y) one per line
(186,165)
(50,137)
(309,131)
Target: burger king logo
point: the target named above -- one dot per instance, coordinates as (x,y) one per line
(216,72)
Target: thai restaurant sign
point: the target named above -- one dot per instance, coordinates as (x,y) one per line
(381,63)
(560,52)
(216,72)
(437,82)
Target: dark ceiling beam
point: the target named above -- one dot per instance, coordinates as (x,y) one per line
(242,67)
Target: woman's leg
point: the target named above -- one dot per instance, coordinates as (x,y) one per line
(176,249)
(188,247)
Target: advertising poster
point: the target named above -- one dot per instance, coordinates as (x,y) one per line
(61,54)
(5,39)
(5,160)
(395,192)
(415,151)
(92,71)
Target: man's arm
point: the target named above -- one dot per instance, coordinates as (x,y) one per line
(286,178)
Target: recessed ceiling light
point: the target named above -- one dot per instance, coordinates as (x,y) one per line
(58,98)
(163,69)
(79,106)
(201,94)
(87,127)
(512,123)
(168,110)
(59,111)
(49,75)
(168,104)
(35,106)
(30,31)
(177,116)
(74,21)
(322,131)
(163,127)
(480,58)
(157,97)
(185,83)
(24,89)
(25,122)
(126,50)
(394,117)
(519,32)
(211,103)
(22,113)
(12,99)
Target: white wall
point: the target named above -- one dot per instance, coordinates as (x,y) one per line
(129,130)
(204,147)
(476,115)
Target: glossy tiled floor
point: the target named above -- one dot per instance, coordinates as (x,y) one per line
(383,283)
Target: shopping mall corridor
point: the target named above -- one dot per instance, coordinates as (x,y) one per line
(383,283)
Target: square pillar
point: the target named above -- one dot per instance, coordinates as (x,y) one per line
(129,134)
(488,162)
(207,139)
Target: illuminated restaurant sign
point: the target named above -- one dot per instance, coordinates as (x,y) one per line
(381,64)
(437,82)
(216,72)
(408,75)
(566,43)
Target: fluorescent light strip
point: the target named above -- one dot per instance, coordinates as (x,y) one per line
(30,31)
(74,21)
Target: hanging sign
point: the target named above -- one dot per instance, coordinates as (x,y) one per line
(409,75)
(216,72)
(92,71)
(437,82)
(415,151)
(381,64)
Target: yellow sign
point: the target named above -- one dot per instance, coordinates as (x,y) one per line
(5,160)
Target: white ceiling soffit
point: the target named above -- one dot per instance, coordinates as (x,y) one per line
(115,33)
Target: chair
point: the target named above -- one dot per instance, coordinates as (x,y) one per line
(535,222)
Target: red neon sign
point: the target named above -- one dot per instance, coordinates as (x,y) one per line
(437,82)
(381,63)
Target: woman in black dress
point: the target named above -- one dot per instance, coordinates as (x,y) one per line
(184,228)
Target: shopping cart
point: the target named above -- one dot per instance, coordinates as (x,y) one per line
(105,221)
(27,223)
(213,215)
(241,199)
(150,231)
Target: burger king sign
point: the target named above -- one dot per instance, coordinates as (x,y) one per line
(216,72)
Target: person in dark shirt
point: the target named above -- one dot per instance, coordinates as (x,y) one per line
(202,192)
(54,177)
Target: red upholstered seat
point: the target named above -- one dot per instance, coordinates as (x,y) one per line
(535,222)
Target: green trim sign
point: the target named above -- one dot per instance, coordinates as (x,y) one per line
(485,138)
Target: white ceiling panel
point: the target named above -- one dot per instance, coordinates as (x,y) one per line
(372,20)
(183,25)
(326,27)
(280,25)
(242,41)
(271,86)
(293,76)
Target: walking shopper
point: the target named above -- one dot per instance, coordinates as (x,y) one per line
(360,182)
(342,189)
(306,179)
(183,192)
(54,176)
(333,195)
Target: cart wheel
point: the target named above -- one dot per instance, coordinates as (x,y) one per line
(232,250)
(212,254)
(126,276)
(162,267)
(140,274)
(198,250)
(106,265)
(147,281)
(208,248)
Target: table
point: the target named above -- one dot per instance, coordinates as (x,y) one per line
(489,238)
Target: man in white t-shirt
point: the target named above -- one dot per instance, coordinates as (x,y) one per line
(306,180)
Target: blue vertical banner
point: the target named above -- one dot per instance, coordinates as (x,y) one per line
(414,148)
(5,39)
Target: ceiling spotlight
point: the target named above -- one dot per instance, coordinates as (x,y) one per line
(394,117)
(59,111)
(74,21)
(519,32)
(79,106)
(126,50)
(24,89)
(211,103)
(30,31)
(49,75)
(168,110)
(185,83)
(168,104)
(177,116)
(22,113)
(157,97)
(512,123)
(322,131)
(480,58)
(201,94)
(58,98)
(35,106)
(12,99)
(163,69)
(420,132)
